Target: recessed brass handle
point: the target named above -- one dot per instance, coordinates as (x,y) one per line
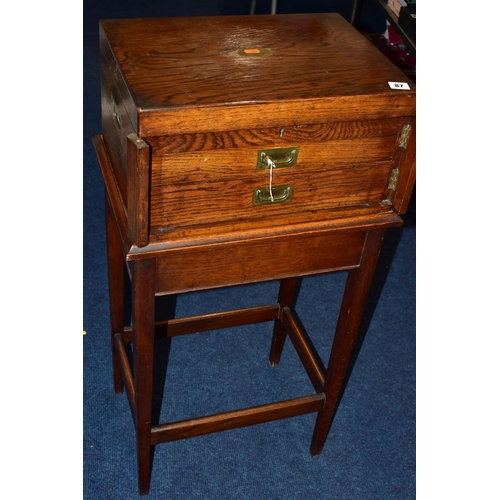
(282,157)
(281,194)
(117,119)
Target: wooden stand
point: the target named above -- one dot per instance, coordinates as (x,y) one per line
(147,270)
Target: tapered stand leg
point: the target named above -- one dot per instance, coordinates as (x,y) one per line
(351,311)
(143,303)
(116,277)
(285,299)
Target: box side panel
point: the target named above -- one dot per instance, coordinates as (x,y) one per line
(117,119)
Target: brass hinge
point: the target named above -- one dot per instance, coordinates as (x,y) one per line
(405,136)
(393,179)
(391,187)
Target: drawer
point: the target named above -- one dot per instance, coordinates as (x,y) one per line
(234,164)
(189,204)
(257,260)
(202,180)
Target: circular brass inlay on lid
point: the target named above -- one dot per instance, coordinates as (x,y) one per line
(255,52)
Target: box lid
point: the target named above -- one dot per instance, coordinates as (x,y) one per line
(230,72)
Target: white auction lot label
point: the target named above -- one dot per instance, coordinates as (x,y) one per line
(399,85)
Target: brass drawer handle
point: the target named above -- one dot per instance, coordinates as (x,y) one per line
(117,119)
(282,157)
(280,194)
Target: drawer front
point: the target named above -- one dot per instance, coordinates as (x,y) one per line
(188,204)
(235,164)
(257,260)
(209,179)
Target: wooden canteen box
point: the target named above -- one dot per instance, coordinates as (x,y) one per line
(190,107)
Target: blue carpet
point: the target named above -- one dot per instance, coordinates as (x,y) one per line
(370,452)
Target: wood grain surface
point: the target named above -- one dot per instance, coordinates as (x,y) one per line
(317,63)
